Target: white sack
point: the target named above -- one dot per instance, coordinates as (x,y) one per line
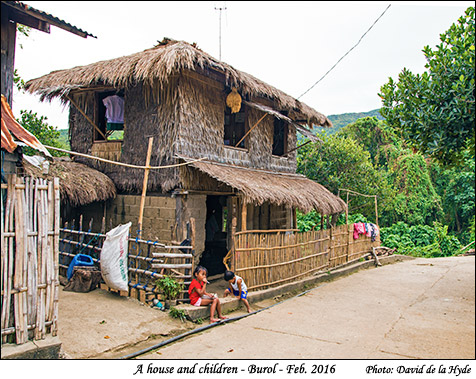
(113,257)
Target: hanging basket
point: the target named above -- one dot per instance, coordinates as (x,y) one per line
(233,101)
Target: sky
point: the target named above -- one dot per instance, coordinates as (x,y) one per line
(289,45)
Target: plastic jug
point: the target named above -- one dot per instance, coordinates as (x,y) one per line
(79,260)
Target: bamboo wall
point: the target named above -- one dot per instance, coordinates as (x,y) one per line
(30,234)
(270,258)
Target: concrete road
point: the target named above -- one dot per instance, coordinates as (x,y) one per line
(421,308)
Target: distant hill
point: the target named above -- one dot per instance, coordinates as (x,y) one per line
(344,119)
(338,122)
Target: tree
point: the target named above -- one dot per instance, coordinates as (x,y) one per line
(434,112)
(46,134)
(416,201)
(374,136)
(341,163)
(456,187)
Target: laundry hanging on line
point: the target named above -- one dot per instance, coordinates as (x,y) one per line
(367,228)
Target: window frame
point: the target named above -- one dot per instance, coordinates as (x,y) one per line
(244,143)
(100,114)
(280,122)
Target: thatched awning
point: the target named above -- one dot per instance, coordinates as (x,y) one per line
(79,184)
(156,66)
(259,186)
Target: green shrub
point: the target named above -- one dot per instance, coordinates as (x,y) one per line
(420,240)
(178,313)
(170,287)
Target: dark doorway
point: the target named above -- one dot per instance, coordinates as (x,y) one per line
(215,235)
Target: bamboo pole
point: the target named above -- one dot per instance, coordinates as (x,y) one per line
(376,212)
(267,231)
(249,131)
(233,243)
(56,226)
(278,246)
(244,210)
(19,257)
(283,263)
(8,266)
(133,290)
(144,185)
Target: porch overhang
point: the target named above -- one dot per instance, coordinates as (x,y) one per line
(260,186)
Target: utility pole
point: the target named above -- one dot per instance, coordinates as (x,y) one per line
(219,31)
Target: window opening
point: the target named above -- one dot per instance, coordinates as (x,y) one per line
(110,115)
(235,127)
(280,137)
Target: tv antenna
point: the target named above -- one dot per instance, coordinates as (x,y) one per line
(220,9)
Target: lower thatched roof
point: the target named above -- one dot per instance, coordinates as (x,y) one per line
(79,184)
(258,187)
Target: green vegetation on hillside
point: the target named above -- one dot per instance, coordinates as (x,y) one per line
(418,159)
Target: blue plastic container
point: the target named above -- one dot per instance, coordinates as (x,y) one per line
(79,260)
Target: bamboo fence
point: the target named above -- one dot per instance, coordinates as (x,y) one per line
(29,233)
(147,260)
(274,257)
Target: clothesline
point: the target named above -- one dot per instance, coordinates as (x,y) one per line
(120,163)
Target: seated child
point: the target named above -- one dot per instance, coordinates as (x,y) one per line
(237,288)
(198,295)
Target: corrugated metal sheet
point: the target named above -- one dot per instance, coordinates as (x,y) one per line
(47,17)
(11,126)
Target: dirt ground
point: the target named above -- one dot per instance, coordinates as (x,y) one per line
(422,308)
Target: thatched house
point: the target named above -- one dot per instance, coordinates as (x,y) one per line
(186,100)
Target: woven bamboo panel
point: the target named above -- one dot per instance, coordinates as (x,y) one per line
(30,235)
(275,257)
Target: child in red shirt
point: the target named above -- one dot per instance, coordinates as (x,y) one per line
(198,295)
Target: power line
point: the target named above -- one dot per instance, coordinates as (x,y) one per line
(361,38)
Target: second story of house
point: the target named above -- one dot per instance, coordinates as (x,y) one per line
(193,105)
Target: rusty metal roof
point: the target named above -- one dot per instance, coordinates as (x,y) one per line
(26,9)
(10,127)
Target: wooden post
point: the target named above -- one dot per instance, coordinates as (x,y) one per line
(376,212)
(192,243)
(144,185)
(347,209)
(330,247)
(244,215)
(233,231)
(133,291)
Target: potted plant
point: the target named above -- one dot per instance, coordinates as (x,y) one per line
(170,288)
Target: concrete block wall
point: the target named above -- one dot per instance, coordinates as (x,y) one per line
(158,219)
(196,207)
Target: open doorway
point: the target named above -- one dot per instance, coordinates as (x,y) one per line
(215,235)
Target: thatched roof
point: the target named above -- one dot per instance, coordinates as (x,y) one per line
(156,66)
(259,186)
(79,184)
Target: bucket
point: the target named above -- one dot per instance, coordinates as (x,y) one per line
(79,260)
